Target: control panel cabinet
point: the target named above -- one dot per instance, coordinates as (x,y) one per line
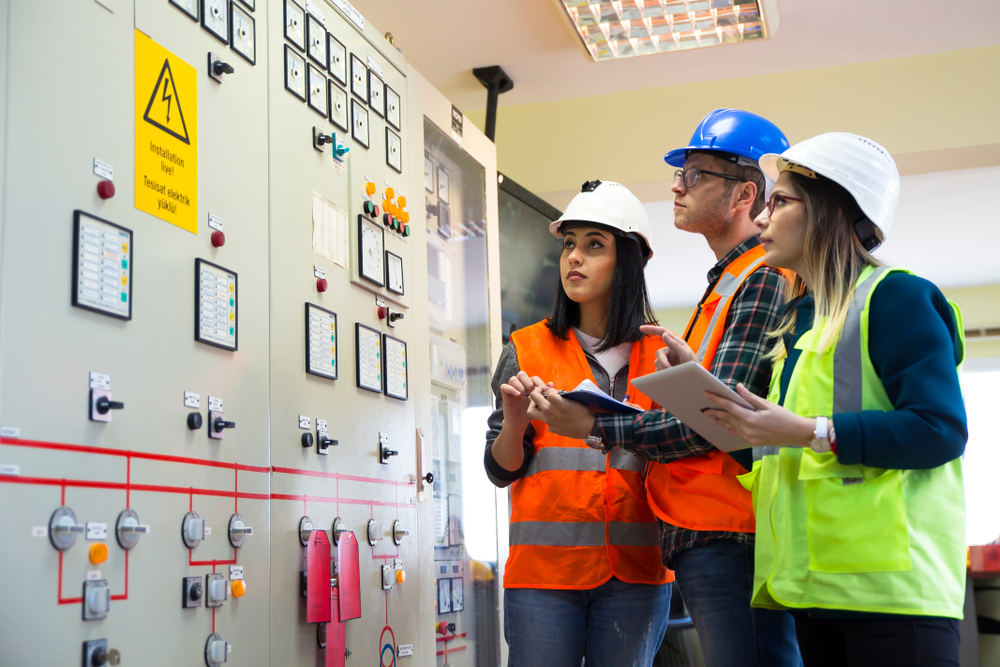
(125,148)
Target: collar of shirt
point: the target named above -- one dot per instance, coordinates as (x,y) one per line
(730,257)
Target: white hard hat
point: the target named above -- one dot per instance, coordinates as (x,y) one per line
(610,204)
(862,167)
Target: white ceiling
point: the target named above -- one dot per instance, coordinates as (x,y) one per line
(947,229)
(535,44)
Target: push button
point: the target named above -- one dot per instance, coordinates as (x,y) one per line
(98,553)
(370,188)
(105,189)
(239,589)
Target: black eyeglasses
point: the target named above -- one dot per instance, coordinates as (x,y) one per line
(691,175)
(778,199)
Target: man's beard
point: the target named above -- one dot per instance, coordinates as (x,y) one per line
(713,218)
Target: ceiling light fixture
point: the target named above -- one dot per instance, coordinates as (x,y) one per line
(627,28)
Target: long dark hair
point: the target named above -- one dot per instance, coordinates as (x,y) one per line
(628,308)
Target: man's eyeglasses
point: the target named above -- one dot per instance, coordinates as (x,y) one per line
(691,175)
(778,199)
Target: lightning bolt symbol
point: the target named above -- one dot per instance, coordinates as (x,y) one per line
(166,98)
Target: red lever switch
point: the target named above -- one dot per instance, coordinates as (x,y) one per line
(218,239)
(321,284)
(106,189)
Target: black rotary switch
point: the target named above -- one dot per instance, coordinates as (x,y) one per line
(429,478)
(307,439)
(99,657)
(194,421)
(221,68)
(221,424)
(195,591)
(104,404)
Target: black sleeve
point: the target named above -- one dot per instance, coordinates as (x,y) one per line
(506,369)
(914,347)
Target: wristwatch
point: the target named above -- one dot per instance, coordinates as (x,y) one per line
(594,442)
(820,442)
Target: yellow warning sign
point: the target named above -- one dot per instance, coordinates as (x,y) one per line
(166,135)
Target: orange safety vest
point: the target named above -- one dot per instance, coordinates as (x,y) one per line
(702,492)
(579,516)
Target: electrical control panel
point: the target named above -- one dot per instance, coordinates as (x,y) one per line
(234,339)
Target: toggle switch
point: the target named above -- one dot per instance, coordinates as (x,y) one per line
(398,533)
(321,285)
(105,189)
(323,442)
(238,530)
(128,530)
(218,238)
(239,589)
(191,592)
(96,600)
(394,317)
(194,420)
(192,530)
(216,590)
(98,553)
(374,532)
(63,528)
(216,650)
(101,405)
(383,449)
(218,424)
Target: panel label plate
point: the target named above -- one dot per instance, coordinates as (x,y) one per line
(104,170)
(166,135)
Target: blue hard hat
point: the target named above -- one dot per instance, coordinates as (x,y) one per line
(732,131)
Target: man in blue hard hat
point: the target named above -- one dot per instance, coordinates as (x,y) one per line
(706,518)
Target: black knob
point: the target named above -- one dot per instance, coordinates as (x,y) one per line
(220,68)
(429,478)
(194,421)
(395,316)
(390,452)
(324,440)
(104,404)
(98,657)
(195,591)
(220,424)
(323,139)
(451,627)
(307,439)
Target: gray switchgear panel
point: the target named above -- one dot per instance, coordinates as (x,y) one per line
(293,122)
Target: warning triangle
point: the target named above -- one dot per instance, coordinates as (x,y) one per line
(164,108)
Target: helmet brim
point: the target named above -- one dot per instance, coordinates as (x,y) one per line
(678,156)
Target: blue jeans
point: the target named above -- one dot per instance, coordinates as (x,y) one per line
(716,582)
(614,625)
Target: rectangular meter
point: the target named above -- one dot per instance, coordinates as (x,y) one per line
(215,302)
(321,341)
(394,354)
(369,358)
(102,266)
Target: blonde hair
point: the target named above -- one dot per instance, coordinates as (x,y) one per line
(832,256)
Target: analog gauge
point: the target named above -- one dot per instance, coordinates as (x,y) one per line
(444,596)
(443,190)
(295,76)
(371,242)
(215,18)
(242,36)
(338,106)
(316,40)
(359,123)
(337,54)
(393,147)
(457,594)
(394,272)
(295,30)
(317,90)
(189,7)
(376,91)
(359,78)
(392,110)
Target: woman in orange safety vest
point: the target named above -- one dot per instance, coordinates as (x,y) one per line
(584,577)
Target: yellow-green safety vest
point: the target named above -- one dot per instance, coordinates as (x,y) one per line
(853,537)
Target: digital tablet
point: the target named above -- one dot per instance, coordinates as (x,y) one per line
(681,392)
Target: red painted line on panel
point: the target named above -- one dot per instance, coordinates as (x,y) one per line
(128,490)
(86,449)
(62,495)
(387,612)
(213,619)
(338,476)
(125,596)
(447,650)
(60,599)
(450,637)
(122,486)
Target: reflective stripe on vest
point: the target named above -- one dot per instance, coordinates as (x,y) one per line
(853,537)
(703,492)
(583,460)
(577,534)
(579,516)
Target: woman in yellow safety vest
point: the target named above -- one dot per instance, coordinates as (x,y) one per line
(584,578)
(858,497)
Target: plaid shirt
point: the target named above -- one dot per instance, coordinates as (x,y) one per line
(659,436)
